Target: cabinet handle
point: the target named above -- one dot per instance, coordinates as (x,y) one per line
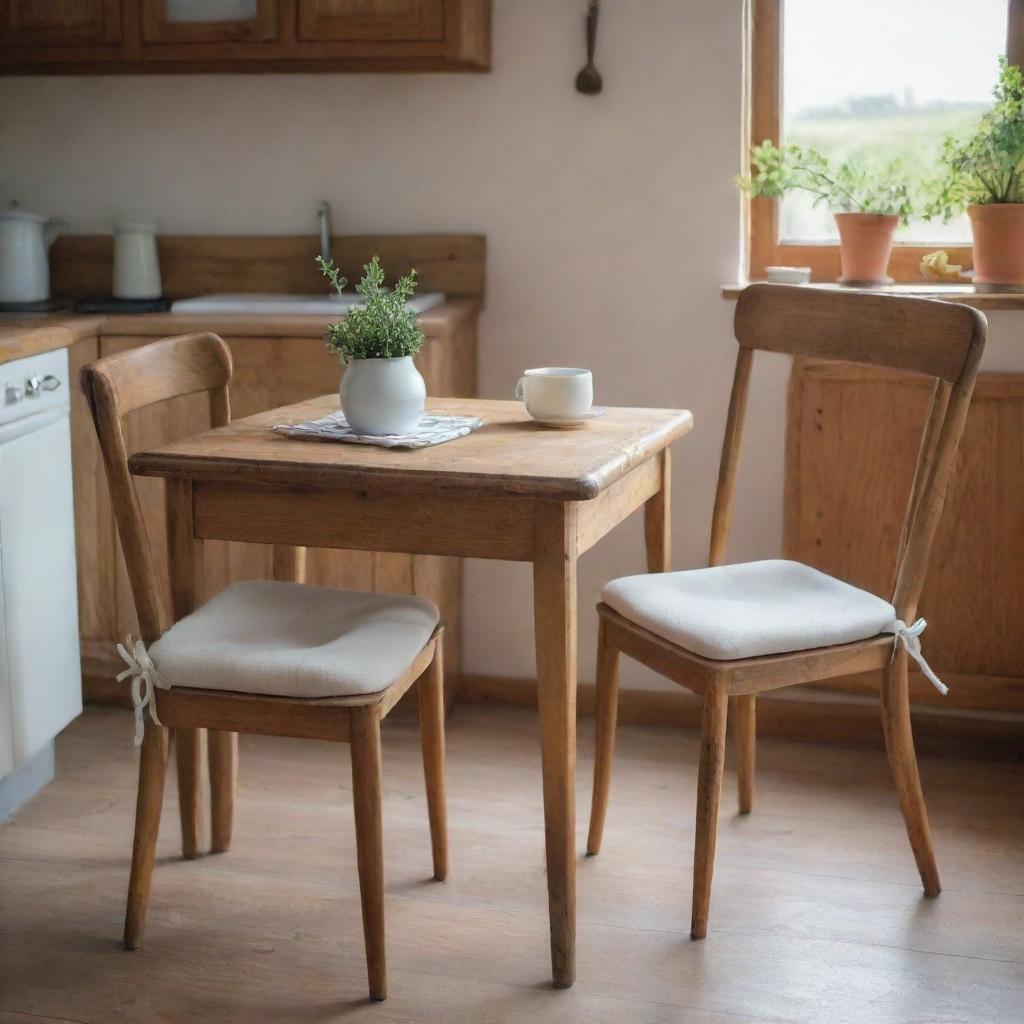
(34,386)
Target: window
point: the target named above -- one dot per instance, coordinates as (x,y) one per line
(881,79)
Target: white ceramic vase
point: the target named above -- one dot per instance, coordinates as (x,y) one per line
(382,396)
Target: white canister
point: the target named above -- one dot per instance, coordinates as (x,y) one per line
(25,239)
(382,396)
(136,264)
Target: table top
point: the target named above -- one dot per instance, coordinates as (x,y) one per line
(509,455)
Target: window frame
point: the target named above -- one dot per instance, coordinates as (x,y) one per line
(764,247)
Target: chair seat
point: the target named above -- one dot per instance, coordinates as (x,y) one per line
(750,609)
(291,640)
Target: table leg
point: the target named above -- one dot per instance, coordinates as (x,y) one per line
(184,566)
(658,520)
(554,602)
(289,563)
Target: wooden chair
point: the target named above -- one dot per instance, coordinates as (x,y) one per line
(208,699)
(939,339)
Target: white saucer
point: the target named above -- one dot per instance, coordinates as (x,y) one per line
(563,422)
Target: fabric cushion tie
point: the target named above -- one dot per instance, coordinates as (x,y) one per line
(145,679)
(911,637)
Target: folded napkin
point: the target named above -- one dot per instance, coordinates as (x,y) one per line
(433,428)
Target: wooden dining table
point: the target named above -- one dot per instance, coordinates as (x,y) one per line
(511,490)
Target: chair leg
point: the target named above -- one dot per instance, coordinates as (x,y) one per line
(366,799)
(223,762)
(744,720)
(899,743)
(152,771)
(606,714)
(431,698)
(188,750)
(709,790)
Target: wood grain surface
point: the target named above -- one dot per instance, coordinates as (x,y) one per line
(509,455)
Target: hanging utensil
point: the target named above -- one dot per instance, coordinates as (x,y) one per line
(588,81)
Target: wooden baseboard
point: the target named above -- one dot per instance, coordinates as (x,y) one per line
(799,713)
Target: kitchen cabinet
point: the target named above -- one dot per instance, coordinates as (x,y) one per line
(268,372)
(221,36)
(371,19)
(853,436)
(208,21)
(60,23)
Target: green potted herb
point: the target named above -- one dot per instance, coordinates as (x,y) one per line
(381,391)
(868,203)
(984,174)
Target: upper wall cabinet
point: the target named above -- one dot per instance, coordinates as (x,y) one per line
(406,20)
(48,24)
(147,36)
(208,21)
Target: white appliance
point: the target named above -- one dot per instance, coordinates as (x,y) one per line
(40,670)
(25,240)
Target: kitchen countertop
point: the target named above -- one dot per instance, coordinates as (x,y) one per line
(30,334)
(24,335)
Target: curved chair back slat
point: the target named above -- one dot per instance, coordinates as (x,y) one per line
(942,340)
(119,384)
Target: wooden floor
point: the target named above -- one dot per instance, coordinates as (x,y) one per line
(817,913)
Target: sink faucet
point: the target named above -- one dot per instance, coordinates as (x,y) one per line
(323,216)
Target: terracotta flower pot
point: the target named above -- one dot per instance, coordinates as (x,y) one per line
(998,230)
(865,242)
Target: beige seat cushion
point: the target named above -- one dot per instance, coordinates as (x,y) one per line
(286,639)
(750,609)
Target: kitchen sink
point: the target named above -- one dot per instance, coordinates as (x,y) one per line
(269,305)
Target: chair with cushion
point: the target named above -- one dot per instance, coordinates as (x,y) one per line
(261,656)
(733,631)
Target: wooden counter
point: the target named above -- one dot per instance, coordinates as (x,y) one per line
(278,360)
(22,336)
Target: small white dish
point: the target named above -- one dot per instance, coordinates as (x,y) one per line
(564,422)
(788,275)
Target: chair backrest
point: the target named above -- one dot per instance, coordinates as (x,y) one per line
(942,340)
(117,385)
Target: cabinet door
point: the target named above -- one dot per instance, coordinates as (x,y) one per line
(60,22)
(208,21)
(371,20)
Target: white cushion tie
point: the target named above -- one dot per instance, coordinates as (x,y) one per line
(911,637)
(145,678)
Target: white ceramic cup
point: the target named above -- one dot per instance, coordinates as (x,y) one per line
(556,392)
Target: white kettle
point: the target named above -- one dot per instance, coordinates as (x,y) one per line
(25,239)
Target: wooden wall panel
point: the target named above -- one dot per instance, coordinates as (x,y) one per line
(191,265)
(853,434)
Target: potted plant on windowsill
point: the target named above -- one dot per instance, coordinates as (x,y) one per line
(381,390)
(867,204)
(984,174)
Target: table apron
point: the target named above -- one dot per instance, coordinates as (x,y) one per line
(361,520)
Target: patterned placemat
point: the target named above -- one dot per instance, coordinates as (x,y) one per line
(433,428)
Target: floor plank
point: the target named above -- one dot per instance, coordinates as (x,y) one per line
(817,912)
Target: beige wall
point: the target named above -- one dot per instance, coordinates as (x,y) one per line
(611,221)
